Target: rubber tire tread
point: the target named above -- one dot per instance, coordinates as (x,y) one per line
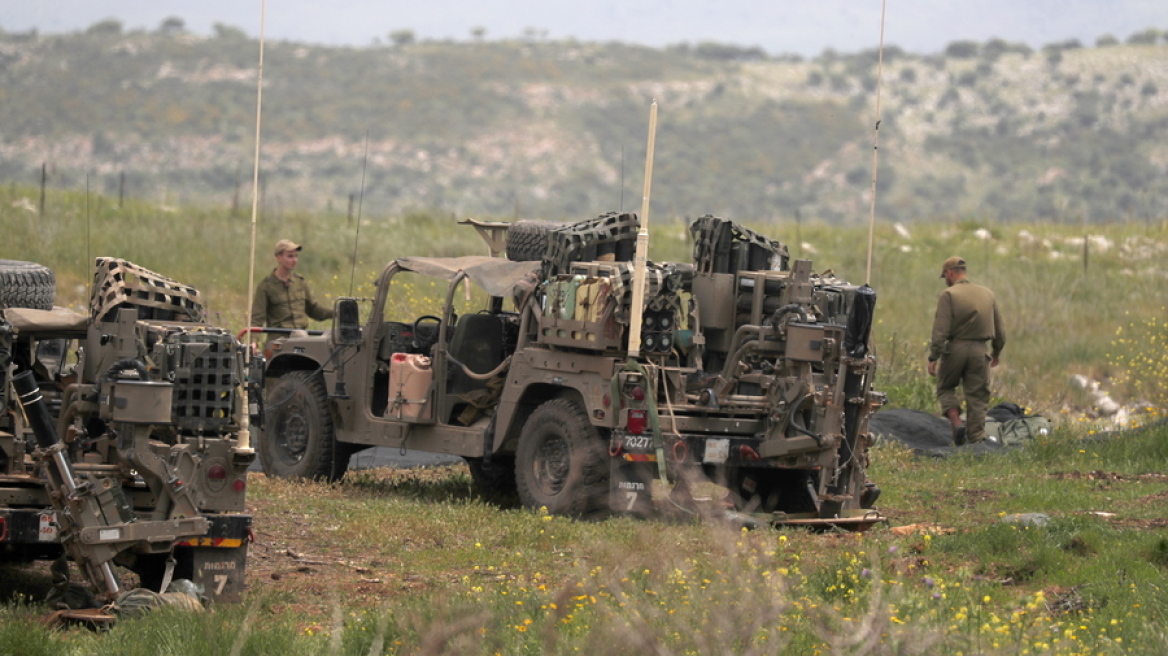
(324,459)
(527,241)
(27,285)
(585,487)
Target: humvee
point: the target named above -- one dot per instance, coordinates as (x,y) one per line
(752,373)
(119,437)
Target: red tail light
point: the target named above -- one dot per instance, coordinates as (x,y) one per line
(217,472)
(636,423)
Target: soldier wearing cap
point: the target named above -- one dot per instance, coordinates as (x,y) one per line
(967,318)
(283,299)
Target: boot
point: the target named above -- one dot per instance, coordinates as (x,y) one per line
(954,416)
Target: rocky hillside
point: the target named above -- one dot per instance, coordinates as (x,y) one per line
(558,129)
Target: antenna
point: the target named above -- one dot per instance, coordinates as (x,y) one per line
(876,144)
(87,272)
(642,252)
(622,194)
(360,202)
(244,443)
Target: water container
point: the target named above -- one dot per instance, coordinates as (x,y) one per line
(410,376)
(568,291)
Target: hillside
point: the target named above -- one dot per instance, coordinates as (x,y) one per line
(557,129)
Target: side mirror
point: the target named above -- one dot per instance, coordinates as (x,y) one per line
(346,322)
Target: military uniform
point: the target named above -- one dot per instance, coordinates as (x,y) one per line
(967,318)
(280,304)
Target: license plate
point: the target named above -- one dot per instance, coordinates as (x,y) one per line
(717,451)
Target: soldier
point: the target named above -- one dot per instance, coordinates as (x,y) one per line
(967,317)
(283,299)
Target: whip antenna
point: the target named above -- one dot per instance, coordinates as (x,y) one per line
(244,444)
(876,143)
(360,201)
(642,252)
(88,222)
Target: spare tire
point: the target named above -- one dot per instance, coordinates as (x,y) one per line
(527,241)
(26,285)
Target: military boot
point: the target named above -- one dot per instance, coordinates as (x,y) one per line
(954,416)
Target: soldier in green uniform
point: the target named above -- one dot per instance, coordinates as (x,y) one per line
(967,317)
(283,299)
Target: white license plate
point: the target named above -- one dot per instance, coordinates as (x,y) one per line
(717,451)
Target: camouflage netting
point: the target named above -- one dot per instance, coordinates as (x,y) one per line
(928,434)
(722,246)
(609,237)
(121,284)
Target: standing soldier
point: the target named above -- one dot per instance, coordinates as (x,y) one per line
(967,317)
(283,299)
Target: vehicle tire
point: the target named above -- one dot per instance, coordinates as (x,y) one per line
(299,440)
(561,463)
(26,285)
(495,480)
(528,240)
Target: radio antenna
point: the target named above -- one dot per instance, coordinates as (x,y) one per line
(244,443)
(88,272)
(622,184)
(360,202)
(876,144)
(641,254)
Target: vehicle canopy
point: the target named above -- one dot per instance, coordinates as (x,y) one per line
(46,322)
(496,276)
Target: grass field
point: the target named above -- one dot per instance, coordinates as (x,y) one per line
(409,561)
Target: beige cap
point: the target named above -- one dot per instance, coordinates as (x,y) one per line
(952,263)
(287,245)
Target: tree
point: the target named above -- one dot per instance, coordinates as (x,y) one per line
(223,31)
(401,38)
(478,32)
(172,25)
(962,49)
(109,26)
(1146,38)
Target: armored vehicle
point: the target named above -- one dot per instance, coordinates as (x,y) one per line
(749,372)
(119,440)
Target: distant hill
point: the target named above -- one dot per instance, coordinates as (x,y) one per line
(558,129)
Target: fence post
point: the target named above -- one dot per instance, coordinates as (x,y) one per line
(44,179)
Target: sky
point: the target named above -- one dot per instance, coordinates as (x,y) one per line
(804,27)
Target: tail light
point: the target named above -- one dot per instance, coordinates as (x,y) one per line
(636,422)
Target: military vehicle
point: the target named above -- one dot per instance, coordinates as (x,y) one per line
(751,372)
(119,440)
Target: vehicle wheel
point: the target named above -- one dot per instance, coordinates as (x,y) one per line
(528,240)
(561,461)
(495,481)
(299,440)
(26,285)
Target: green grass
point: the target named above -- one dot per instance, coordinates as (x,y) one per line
(1064,313)
(407,561)
(412,562)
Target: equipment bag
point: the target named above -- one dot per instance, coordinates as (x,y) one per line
(1015,432)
